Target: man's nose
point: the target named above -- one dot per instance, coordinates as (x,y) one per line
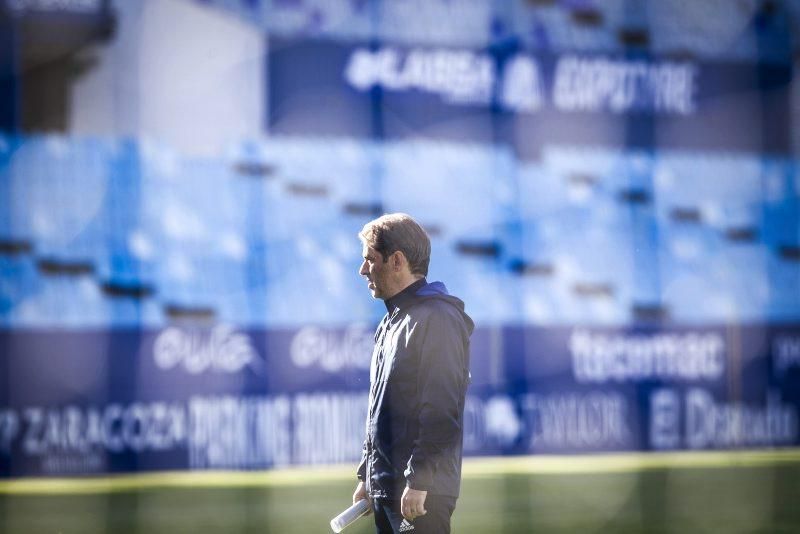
(363,269)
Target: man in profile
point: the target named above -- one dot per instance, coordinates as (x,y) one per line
(410,469)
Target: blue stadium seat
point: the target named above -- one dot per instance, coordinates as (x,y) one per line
(725,189)
(474,272)
(68,301)
(307,282)
(123,247)
(19,283)
(421,21)
(781,207)
(459,190)
(689,289)
(711,29)
(59,186)
(540,192)
(742,272)
(329,18)
(8,145)
(784,278)
(561,28)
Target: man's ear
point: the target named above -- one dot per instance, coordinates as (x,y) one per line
(398,259)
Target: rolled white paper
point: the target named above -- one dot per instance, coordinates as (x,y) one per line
(349,516)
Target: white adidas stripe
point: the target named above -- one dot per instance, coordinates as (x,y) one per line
(405,526)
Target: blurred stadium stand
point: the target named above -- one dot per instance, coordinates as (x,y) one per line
(753,30)
(131,232)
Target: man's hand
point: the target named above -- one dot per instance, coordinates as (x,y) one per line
(361,493)
(412,504)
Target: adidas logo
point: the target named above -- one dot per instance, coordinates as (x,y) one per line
(405,526)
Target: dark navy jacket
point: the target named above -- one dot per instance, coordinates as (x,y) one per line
(418,382)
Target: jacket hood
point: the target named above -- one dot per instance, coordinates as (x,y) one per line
(437,290)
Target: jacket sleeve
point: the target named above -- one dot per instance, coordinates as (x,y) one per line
(361,472)
(442,385)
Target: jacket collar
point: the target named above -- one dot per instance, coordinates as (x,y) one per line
(405,297)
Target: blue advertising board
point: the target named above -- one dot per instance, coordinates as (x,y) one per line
(525,100)
(201,398)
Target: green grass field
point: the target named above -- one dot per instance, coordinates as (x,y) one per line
(742,492)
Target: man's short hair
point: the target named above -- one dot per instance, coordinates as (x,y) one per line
(398,231)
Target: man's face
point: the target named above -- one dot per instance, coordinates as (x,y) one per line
(376,271)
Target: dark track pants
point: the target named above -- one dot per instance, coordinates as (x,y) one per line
(389,520)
